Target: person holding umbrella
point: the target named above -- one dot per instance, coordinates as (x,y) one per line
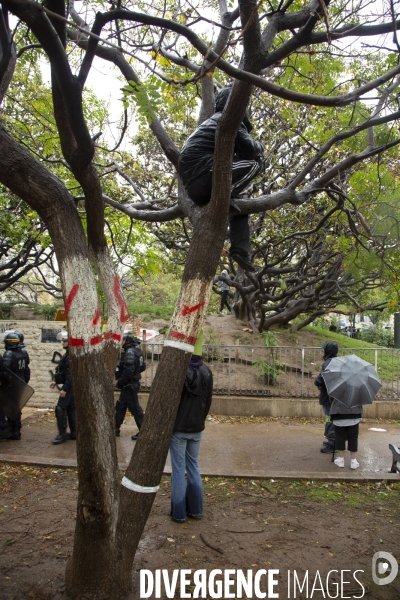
(351,382)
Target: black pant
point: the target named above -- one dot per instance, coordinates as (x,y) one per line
(351,433)
(129,400)
(199,191)
(224,300)
(14,425)
(69,412)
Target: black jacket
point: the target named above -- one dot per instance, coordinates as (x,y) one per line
(64,369)
(331,351)
(197,154)
(17,360)
(195,399)
(131,365)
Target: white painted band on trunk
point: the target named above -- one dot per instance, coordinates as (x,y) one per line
(139,488)
(179,345)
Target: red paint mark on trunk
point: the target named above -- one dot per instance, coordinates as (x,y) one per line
(182,337)
(179,336)
(77,342)
(96,317)
(70,297)
(188,310)
(113,336)
(95,340)
(123,308)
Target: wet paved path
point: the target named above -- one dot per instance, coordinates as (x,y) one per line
(272,449)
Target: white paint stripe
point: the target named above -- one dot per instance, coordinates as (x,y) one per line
(179,345)
(139,488)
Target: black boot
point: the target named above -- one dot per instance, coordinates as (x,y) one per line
(72,434)
(5,433)
(243,261)
(61,438)
(61,417)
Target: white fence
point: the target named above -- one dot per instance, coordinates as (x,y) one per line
(278,371)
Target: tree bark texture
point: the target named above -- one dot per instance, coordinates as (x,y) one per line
(93,560)
(150,453)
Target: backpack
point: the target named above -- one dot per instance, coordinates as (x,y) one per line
(59,375)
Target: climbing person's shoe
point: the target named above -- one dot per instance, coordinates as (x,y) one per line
(243,262)
(234,207)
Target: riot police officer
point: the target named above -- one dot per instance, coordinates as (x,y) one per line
(128,377)
(65,410)
(4,428)
(16,359)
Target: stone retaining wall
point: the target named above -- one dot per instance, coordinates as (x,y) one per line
(40,354)
(247,406)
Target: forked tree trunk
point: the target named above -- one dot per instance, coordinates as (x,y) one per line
(110,518)
(150,452)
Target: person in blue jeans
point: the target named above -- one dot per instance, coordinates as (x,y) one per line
(187,496)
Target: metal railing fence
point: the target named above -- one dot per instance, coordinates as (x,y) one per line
(276,370)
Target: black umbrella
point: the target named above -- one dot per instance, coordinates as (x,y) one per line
(351,380)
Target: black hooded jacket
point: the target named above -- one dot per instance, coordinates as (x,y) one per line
(331,351)
(195,399)
(197,154)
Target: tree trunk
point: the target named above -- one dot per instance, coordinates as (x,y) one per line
(110,519)
(93,562)
(310,319)
(150,453)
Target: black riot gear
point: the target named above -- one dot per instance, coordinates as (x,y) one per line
(16,359)
(133,359)
(129,339)
(13,340)
(65,410)
(128,374)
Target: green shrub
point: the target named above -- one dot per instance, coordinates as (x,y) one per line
(269,371)
(269,339)
(5,310)
(271,368)
(151,311)
(48,311)
(377,335)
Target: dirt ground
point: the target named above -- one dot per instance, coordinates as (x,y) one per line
(225,329)
(301,526)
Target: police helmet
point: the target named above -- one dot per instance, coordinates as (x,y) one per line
(62,336)
(129,338)
(13,339)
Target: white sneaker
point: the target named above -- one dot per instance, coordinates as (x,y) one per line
(354,464)
(339,462)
